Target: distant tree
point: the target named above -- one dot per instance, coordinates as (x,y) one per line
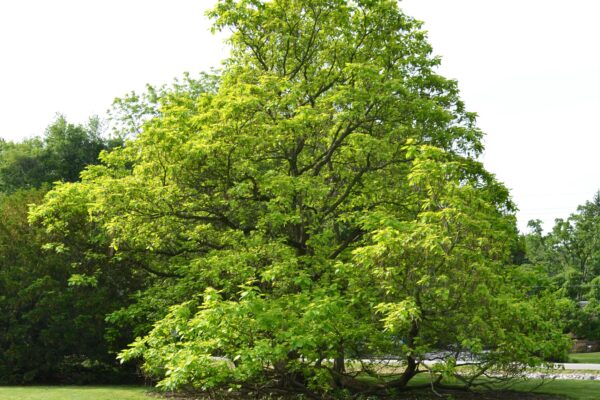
(69,148)
(60,154)
(570,256)
(21,165)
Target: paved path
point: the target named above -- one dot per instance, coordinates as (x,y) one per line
(566,366)
(573,366)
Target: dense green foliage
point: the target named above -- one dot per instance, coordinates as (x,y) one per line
(569,256)
(53,300)
(318,203)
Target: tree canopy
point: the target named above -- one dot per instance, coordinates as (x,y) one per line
(318,206)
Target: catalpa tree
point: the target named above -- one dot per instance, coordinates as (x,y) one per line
(317,208)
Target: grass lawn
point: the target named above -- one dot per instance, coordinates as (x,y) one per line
(73,393)
(568,389)
(591,358)
(576,390)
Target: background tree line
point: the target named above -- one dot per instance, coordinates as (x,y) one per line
(52,322)
(568,259)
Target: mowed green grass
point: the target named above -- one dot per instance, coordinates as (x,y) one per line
(590,358)
(74,393)
(570,389)
(567,389)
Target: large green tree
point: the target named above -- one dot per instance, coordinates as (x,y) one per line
(322,204)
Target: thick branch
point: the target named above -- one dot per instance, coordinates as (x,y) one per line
(354,235)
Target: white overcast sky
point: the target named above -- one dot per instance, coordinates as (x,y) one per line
(529,68)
